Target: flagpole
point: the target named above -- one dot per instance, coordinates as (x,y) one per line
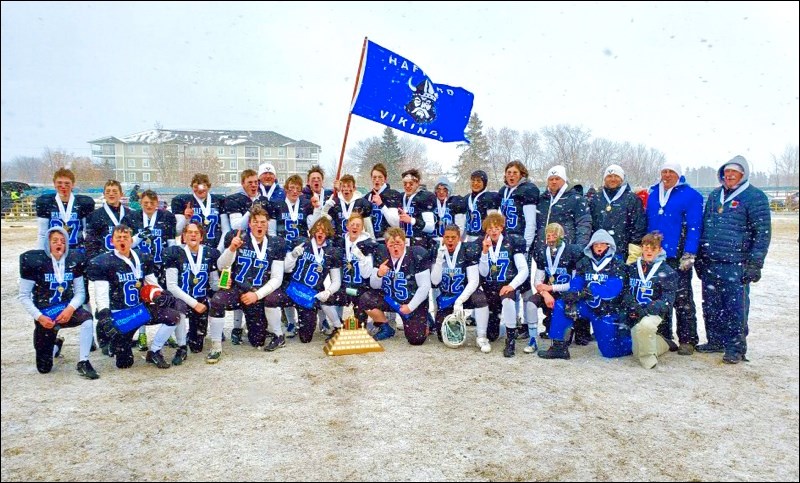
(350,111)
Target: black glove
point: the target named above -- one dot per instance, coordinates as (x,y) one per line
(164,299)
(105,325)
(752,274)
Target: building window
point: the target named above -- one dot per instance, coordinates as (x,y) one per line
(233,151)
(232,177)
(131,176)
(131,163)
(221,164)
(145,149)
(192,150)
(131,149)
(250,152)
(145,176)
(233,164)
(281,152)
(221,178)
(280,166)
(146,163)
(267,152)
(221,151)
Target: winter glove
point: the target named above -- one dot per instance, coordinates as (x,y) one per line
(298,251)
(328,205)
(634,252)
(752,274)
(357,253)
(458,307)
(323,296)
(440,254)
(687,262)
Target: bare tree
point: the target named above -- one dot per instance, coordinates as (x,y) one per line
(787,168)
(642,165)
(362,157)
(569,146)
(530,153)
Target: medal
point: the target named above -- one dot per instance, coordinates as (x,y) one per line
(67,228)
(720,210)
(349,267)
(147,241)
(319,269)
(661,211)
(206,222)
(608,208)
(551,280)
(494,268)
(195,280)
(138,284)
(60,289)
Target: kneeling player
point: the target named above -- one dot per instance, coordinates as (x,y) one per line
(357,249)
(405,277)
(456,274)
(51,290)
(118,277)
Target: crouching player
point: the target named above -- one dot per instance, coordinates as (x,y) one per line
(191,271)
(124,282)
(405,279)
(256,270)
(653,286)
(596,294)
(456,274)
(504,268)
(51,289)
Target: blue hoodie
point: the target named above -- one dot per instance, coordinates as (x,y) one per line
(682,220)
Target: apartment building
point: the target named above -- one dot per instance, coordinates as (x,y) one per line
(165,157)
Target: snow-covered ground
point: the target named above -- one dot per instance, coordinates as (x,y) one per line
(409,413)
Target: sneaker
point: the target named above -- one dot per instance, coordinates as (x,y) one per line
(291,330)
(686,349)
(556,351)
(157,358)
(58,345)
(275,343)
(172,343)
(532,346)
(180,356)
(484,344)
(732,358)
(236,336)
(384,332)
(709,348)
(86,370)
(213,356)
(141,342)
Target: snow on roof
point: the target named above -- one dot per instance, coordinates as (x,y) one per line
(207,137)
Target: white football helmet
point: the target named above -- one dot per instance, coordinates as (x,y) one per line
(454,330)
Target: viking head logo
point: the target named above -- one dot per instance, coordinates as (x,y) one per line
(422,106)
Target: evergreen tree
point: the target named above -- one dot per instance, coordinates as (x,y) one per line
(392,156)
(475,155)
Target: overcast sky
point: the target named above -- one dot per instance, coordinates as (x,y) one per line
(701,82)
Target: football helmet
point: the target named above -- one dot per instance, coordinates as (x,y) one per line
(454,330)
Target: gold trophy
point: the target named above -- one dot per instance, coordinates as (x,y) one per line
(351,339)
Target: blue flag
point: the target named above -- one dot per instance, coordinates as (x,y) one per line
(396,92)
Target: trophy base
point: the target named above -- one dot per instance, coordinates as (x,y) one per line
(351,341)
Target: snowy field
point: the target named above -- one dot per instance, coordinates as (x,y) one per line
(409,413)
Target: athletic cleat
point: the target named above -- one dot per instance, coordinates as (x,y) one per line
(180,356)
(686,349)
(86,370)
(732,358)
(532,346)
(556,351)
(384,332)
(276,343)
(157,358)
(484,344)
(236,336)
(141,342)
(58,345)
(213,357)
(172,343)
(709,348)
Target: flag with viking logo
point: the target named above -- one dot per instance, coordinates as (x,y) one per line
(396,92)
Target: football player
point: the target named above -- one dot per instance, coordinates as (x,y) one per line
(204,207)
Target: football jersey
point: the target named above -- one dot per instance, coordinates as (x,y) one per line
(123,283)
(241,203)
(212,223)
(454,279)
(511,202)
(153,240)
(341,211)
(415,205)
(607,283)
(194,284)
(445,213)
(248,269)
(476,206)
(47,207)
(37,266)
(323,197)
(391,199)
(291,223)
(311,270)
(656,290)
(99,227)
(351,273)
(400,282)
(563,265)
(503,270)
